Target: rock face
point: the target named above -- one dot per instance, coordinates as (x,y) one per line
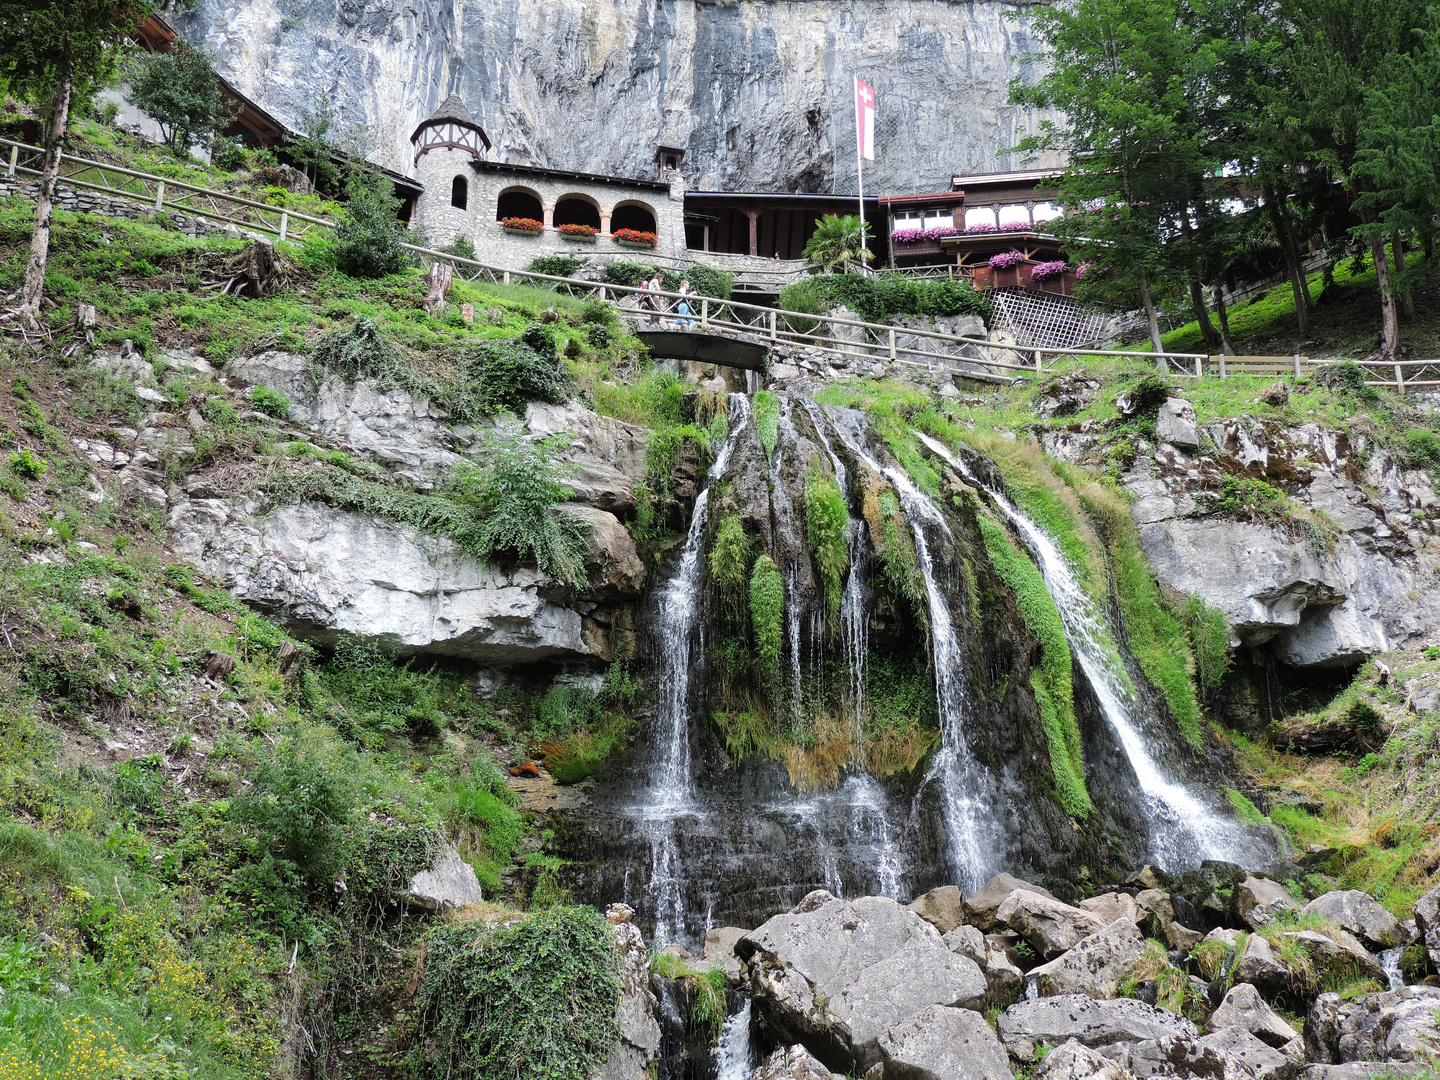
(1096,965)
(1231,1053)
(984,902)
(942,908)
(1259,900)
(324,572)
(943,1044)
(449,883)
(791,1063)
(634,1052)
(1360,914)
(1427,921)
(1023,1027)
(1373,589)
(1398,1025)
(839,976)
(759,95)
(1073,1060)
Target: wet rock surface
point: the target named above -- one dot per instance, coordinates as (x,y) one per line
(941,1043)
(1028,1025)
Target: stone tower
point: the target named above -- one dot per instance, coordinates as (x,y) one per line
(445,145)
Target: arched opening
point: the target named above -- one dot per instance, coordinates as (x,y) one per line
(519,203)
(576,210)
(635,216)
(459,193)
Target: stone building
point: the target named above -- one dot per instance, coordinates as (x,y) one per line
(467,195)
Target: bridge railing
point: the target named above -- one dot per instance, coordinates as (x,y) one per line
(826,334)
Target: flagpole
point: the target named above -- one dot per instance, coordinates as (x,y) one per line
(859,163)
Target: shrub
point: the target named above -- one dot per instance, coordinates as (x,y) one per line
(270,402)
(530,1001)
(1348,377)
(505,376)
(730,564)
(827,519)
(598,313)
(460,247)
(362,350)
(555,265)
(564,709)
(27,465)
(1421,449)
(767,419)
(1209,641)
(767,614)
(368,236)
(514,493)
(880,298)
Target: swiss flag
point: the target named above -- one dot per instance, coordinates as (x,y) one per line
(865,118)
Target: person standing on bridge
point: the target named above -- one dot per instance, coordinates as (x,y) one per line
(651,296)
(683,307)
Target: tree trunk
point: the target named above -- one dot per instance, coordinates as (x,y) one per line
(1292,264)
(1407,298)
(1389,318)
(29,309)
(1151,318)
(1202,314)
(1225,346)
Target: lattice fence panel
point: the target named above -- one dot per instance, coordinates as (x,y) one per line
(1048,320)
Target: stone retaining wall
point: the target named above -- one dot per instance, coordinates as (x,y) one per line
(85,201)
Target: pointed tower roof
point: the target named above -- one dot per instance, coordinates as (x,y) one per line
(452,111)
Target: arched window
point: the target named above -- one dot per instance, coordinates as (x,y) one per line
(632,216)
(519,203)
(459,193)
(576,210)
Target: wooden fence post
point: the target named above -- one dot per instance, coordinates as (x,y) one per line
(892,344)
(1198,374)
(705,314)
(159,196)
(1297,367)
(284,225)
(506,277)
(1039,363)
(14,159)
(773,328)
(1400,380)
(1222,367)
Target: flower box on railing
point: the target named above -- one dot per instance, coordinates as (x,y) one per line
(634,238)
(577,232)
(521,226)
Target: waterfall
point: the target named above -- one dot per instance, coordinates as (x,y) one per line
(1183,830)
(671,796)
(734,1054)
(1390,964)
(973,833)
(869,816)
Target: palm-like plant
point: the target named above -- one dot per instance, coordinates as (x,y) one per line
(838,239)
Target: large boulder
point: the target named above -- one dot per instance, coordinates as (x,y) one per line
(1107,907)
(1027,1025)
(1072,1060)
(1003,976)
(326,573)
(1261,968)
(1244,1007)
(449,883)
(942,908)
(1096,965)
(719,952)
(1231,1053)
(1361,915)
(632,1056)
(1398,1025)
(1259,900)
(1355,1070)
(981,905)
(967,941)
(1337,955)
(1048,925)
(791,1063)
(1427,921)
(839,976)
(1175,424)
(943,1044)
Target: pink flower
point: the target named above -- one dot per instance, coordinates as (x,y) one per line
(1048,269)
(1006,259)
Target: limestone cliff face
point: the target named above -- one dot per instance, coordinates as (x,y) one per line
(758,92)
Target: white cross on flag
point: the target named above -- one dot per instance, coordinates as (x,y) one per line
(865,118)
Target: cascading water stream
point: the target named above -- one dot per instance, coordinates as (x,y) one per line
(1390,964)
(973,833)
(1183,830)
(734,1053)
(671,796)
(788,436)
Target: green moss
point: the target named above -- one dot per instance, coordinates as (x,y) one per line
(1051,681)
(891,537)
(1157,639)
(767,419)
(767,615)
(1209,638)
(826,521)
(1246,810)
(730,564)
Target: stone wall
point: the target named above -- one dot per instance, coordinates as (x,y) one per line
(84,201)
(443,222)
